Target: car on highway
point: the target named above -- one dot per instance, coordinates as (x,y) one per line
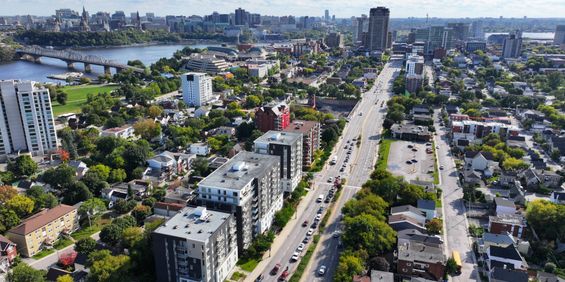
(320,198)
(346,147)
(327,200)
(414,160)
(342,169)
(300,247)
(310,232)
(295,256)
(305,223)
(276,269)
(305,240)
(322,270)
(408,162)
(284,275)
(441,167)
(314,224)
(330,179)
(321,209)
(414,150)
(410,146)
(259,278)
(318,217)
(361,114)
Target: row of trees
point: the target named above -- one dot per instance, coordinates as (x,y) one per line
(14,206)
(74,39)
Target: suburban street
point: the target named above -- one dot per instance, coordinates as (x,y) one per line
(454,212)
(365,120)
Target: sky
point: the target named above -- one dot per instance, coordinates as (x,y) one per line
(341,8)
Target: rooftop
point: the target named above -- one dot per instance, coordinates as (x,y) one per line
(426,204)
(498,238)
(508,219)
(416,251)
(508,252)
(278,137)
(195,224)
(240,170)
(378,276)
(41,219)
(406,208)
(502,274)
(415,235)
(301,126)
(502,202)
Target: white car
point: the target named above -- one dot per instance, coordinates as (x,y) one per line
(322,270)
(295,256)
(318,217)
(330,179)
(310,232)
(300,247)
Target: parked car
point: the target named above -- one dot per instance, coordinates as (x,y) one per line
(259,278)
(330,179)
(310,232)
(305,223)
(300,247)
(295,256)
(284,275)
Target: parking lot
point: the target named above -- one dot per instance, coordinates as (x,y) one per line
(411,160)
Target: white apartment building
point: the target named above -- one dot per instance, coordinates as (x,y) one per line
(26,118)
(196,88)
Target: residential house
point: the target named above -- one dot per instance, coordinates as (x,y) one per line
(507,275)
(515,224)
(415,257)
(532,178)
(8,252)
(557,143)
(507,178)
(125,132)
(504,257)
(43,229)
(400,222)
(200,149)
(180,195)
(428,207)
(114,195)
(80,168)
(411,211)
(201,112)
(415,235)
(557,197)
(471,177)
(274,116)
(491,239)
(167,209)
(168,162)
(480,161)
(504,206)
(224,130)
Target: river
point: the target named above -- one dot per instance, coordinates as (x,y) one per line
(38,72)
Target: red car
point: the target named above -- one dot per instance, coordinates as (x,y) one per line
(284,275)
(305,223)
(275,269)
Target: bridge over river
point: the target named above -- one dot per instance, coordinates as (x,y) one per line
(35,53)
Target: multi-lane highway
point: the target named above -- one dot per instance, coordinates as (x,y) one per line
(365,122)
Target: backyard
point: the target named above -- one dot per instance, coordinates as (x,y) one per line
(76,97)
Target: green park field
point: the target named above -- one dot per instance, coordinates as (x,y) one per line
(76,97)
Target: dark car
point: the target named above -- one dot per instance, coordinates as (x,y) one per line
(275,269)
(259,278)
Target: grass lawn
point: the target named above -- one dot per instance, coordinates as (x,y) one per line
(384,150)
(87,231)
(62,243)
(76,97)
(248,265)
(237,276)
(43,253)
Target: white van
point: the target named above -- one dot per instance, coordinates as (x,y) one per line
(320,198)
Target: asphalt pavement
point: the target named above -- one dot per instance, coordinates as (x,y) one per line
(454,213)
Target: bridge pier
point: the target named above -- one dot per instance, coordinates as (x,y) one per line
(87,68)
(70,65)
(36,59)
(107,70)
(118,70)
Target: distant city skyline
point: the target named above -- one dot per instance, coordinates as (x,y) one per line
(399,9)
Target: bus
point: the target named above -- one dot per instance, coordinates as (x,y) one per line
(457,259)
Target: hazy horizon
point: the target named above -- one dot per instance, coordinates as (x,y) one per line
(398,9)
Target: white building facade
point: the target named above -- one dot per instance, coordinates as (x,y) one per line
(26,118)
(196,88)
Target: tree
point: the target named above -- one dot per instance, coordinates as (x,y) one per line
(21,205)
(101,171)
(546,218)
(451,266)
(122,206)
(8,219)
(91,207)
(65,278)
(410,194)
(7,193)
(62,97)
(549,267)
(369,204)
(154,111)
(23,166)
(111,234)
(200,166)
(140,213)
(252,101)
(25,273)
(512,164)
(147,129)
(131,236)
(434,226)
(60,176)
(85,246)
(106,268)
(41,198)
(348,266)
(366,232)
(117,175)
(76,192)
(379,263)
